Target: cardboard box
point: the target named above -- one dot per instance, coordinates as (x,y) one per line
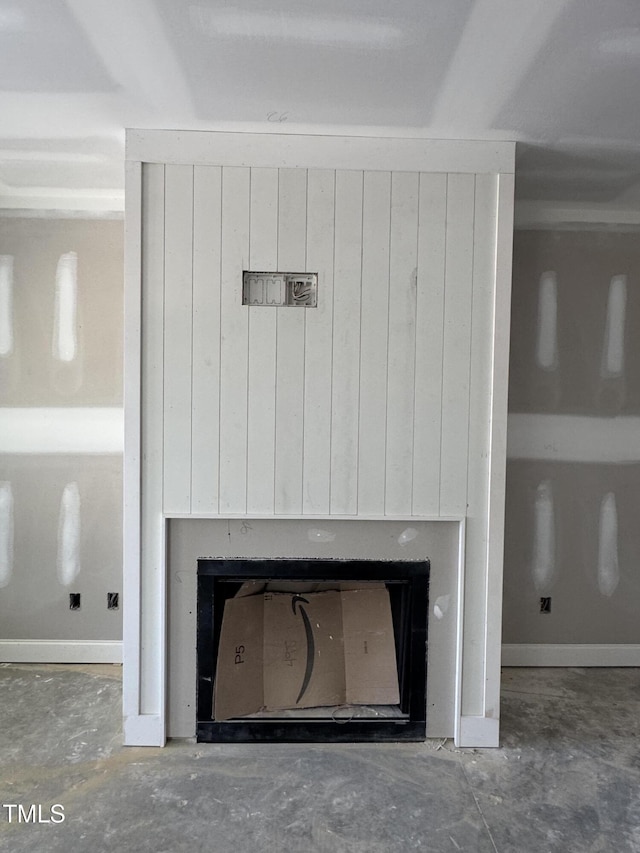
(283,650)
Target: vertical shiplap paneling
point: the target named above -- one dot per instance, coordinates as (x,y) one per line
(178,337)
(290,362)
(233,341)
(151,432)
(263,255)
(457,344)
(205,415)
(429,318)
(318,344)
(482,331)
(402,342)
(346,343)
(376,225)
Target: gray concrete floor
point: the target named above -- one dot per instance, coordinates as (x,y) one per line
(567,777)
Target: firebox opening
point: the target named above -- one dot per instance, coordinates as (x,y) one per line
(407,585)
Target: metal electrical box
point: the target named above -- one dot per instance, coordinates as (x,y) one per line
(280,289)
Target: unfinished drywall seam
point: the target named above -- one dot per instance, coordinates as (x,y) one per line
(6,533)
(6,305)
(65,343)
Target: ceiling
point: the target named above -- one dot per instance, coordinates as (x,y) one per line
(562,77)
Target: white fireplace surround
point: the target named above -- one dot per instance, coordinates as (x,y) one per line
(371,426)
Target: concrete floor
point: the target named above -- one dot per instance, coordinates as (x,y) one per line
(567,777)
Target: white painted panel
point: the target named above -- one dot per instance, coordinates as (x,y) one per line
(457,344)
(205,410)
(402,342)
(376,213)
(152,627)
(429,339)
(480,373)
(290,362)
(178,337)
(491,629)
(234,341)
(346,343)
(318,344)
(263,256)
(134,425)
(367,150)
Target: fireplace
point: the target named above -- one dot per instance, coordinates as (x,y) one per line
(406,583)
(359,416)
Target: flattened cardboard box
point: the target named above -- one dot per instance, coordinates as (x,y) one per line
(283,650)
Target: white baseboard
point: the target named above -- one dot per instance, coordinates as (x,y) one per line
(566,654)
(60,651)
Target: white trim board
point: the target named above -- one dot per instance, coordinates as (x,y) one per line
(478,732)
(570,654)
(60,651)
(276,150)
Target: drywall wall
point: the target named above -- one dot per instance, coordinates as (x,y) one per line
(573,472)
(61,435)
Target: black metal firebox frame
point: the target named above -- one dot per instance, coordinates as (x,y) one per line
(408,585)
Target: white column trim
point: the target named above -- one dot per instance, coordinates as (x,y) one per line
(131,480)
(478,732)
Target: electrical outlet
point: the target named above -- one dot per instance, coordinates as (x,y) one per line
(74,601)
(280,289)
(545,605)
(113,601)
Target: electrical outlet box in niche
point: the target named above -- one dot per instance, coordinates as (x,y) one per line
(545,605)
(280,289)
